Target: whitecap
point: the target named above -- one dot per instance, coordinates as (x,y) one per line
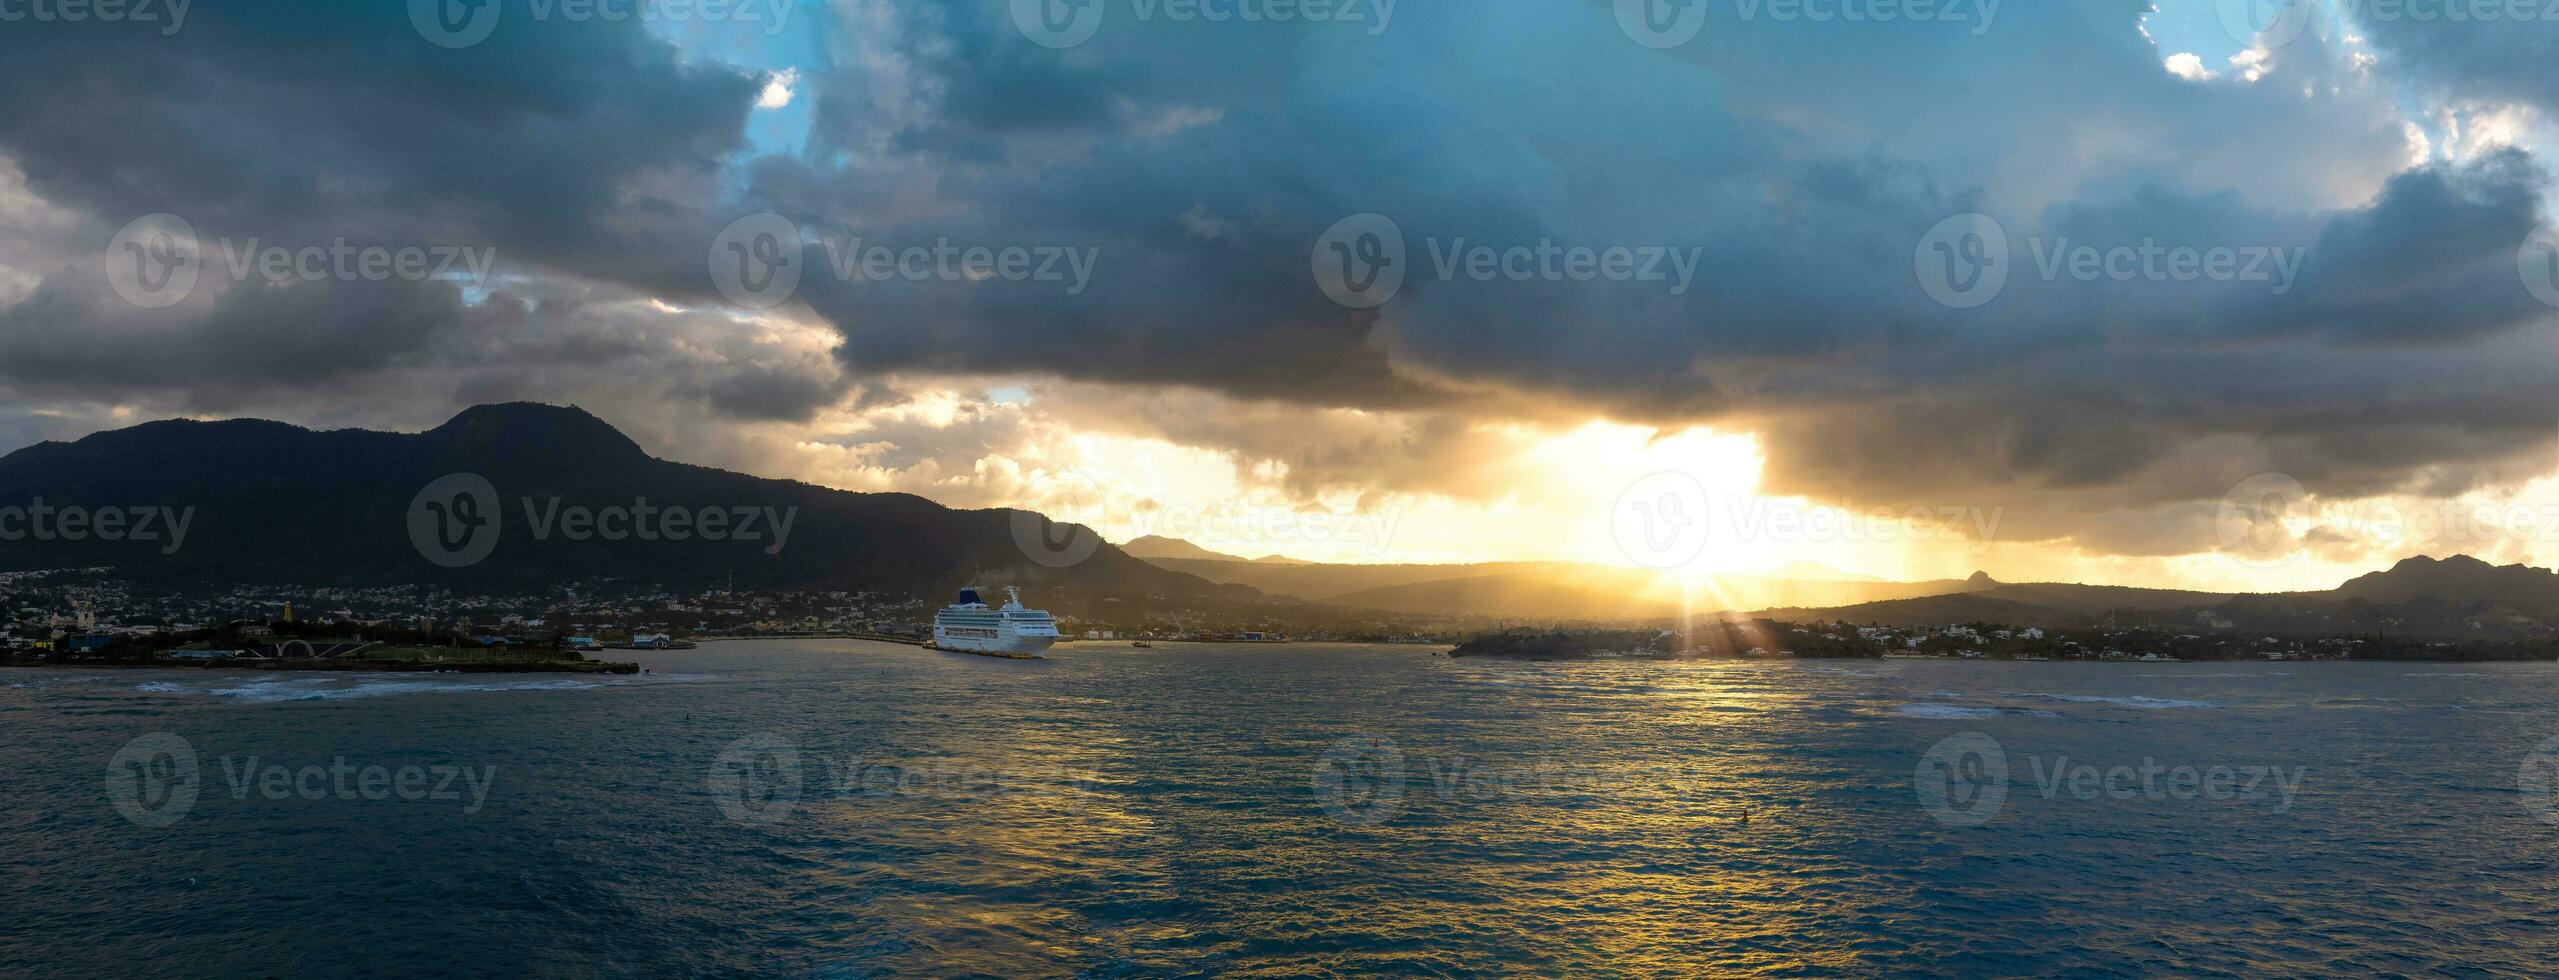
(2129,700)
(1957,711)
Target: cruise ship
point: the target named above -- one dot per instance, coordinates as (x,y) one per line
(968,626)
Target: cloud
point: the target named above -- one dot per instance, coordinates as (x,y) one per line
(1792,168)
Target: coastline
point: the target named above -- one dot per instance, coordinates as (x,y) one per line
(355,666)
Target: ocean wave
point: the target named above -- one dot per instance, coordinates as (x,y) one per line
(2128,701)
(2259,673)
(1957,711)
(267,690)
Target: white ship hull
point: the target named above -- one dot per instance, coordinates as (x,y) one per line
(970,626)
(1005,646)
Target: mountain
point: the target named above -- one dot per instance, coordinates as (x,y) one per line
(556,494)
(2460,579)
(1151,547)
(2421,598)
(1156,548)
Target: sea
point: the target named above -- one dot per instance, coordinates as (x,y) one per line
(832,808)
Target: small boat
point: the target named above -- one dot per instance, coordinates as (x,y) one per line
(1143,645)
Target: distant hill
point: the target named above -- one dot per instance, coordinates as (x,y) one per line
(1610,593)
(2420,598)
(1152,547)
(275,503)
(2461,579)
(1536,590)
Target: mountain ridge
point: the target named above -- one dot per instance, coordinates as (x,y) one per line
(276,503)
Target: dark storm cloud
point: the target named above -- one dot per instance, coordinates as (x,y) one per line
(74,336)
(1786,171)
(2505,56)
(580,147)
(554,140)
(1204,164)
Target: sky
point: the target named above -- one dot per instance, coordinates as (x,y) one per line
(2209,294)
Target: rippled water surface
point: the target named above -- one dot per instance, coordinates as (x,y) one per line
(851,809)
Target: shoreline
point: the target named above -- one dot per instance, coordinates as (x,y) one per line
(356,666)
